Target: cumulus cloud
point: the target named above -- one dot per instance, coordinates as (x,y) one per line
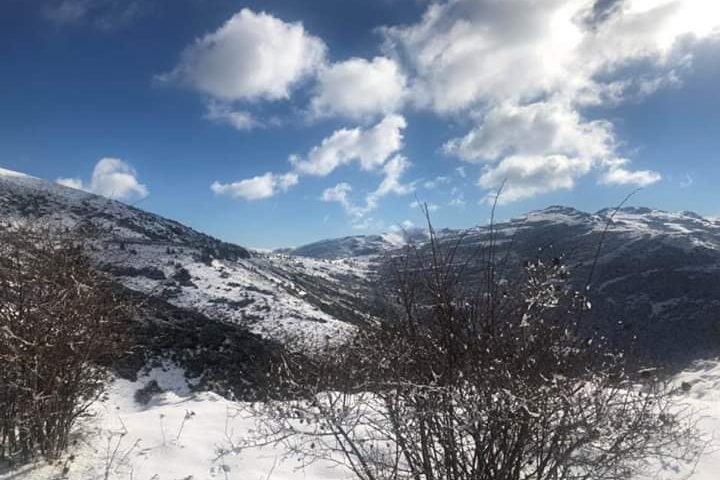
(527,176)
(112,178)
(370,148)
(75,183)
(358,88)
(521,72)
(256,188)
(550,127)
(466,52)
(617,175)
(543,147)
(226,114)
(340,193)
(464,56)
(393,171)
(252,56)
(391,183)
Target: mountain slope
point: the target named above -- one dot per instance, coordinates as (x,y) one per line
(657,273)
(273,295)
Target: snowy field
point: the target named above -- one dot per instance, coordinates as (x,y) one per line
(184,436)
(177,436)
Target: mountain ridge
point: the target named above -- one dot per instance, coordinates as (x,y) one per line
(658,272)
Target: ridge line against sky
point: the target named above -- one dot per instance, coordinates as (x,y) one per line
(276,122)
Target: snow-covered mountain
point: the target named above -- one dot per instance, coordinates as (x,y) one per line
(357,246)
(206,294)
(657,273)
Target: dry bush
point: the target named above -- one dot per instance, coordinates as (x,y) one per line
(56,330)
(498,381)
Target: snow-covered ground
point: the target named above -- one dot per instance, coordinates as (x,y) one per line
(185,436)
(263,293)
(176,436)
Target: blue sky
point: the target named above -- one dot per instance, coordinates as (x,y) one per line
(274,123)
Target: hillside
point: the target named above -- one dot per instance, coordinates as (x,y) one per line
(657,273)
(271,294)
(216,308)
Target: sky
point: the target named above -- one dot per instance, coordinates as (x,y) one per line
(279,122)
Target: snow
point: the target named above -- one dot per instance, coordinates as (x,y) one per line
(258,292)
(179,436)
(11,173)
(704,399)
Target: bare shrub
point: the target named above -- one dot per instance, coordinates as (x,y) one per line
(498,380)
(56,330)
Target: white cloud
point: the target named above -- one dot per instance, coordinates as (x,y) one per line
(75,183)
(358,88)
(340,193)
(430,206)
(617,175)
(542,147)
(469,52)
(402,234)
(224,113)
(252,56)
(527,176)
(525,70)
(436,182)
(391,184)
(112,178)
(393,170)
(256,188)
(543,128)
(369,147)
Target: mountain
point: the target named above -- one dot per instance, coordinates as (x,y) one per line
(657,274)
(217,308)
(654,273)
(357,246)
(272,294)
